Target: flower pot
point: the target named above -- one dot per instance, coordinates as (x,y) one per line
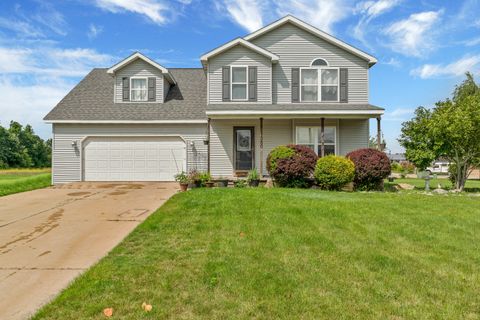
(254,183)
(209,184)
(222,183)
(183,187)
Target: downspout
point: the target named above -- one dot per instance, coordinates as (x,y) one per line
(208,145)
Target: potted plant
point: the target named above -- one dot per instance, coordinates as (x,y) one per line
(253,178)
(222,182)
(182,179)
(194,177)
(207,178)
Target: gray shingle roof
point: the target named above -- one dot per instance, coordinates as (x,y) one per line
(92,99)
(292,107)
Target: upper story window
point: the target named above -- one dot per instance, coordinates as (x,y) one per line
(319,84)
(239,81)
(138,89)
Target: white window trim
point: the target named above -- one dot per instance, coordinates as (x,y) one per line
(231,82)
(316,140)
(131,88)
(319,83)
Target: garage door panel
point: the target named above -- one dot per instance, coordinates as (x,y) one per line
(133,158)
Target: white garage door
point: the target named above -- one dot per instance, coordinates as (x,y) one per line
(133,158)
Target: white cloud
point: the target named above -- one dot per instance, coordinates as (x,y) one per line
(51,61)
(472,42)
(392,62)
(21,28)
(369,10)
(28,104)
(454,69)
(246,13)
(155,10)
(323,14)
(33,80)
(251,14)
(94,31)
(414,36)
(49,17)
(399,114)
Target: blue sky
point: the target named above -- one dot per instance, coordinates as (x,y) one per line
(46,47)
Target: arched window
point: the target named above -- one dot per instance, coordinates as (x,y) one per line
(319,62)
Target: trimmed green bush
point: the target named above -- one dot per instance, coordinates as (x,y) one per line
(333,172)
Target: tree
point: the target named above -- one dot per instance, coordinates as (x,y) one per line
(21,147)
(450,130)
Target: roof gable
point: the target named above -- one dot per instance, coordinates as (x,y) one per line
(137,55)
(315,31)
(239,41)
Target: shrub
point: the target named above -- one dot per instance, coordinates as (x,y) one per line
(240,183)
(407,166)
(371,167)
(292,166)
(280,152)
(397,167)
(333,172)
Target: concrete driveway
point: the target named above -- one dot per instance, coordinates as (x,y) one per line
(50,236)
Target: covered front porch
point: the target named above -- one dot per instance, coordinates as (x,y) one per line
(237,144)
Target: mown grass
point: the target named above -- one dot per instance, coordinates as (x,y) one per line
(14,181)
(470,186)
(289,254)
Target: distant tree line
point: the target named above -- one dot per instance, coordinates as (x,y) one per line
(20,147)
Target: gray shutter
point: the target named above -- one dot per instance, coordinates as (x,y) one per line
(152,89)
(226,83)
(252,83)
(126,89)
(343,85)
(295,84)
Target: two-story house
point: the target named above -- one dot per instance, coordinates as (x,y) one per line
(288,82)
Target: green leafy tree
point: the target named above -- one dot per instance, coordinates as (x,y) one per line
(450,130)
(20,147)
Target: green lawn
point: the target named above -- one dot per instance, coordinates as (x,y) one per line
(14,181)
(471,185)
(290,254)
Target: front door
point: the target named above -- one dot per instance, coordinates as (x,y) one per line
(244,148)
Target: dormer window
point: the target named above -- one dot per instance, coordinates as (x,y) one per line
(138,89)
(239,83)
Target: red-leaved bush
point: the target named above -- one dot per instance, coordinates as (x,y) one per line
(371,167)
(292,166)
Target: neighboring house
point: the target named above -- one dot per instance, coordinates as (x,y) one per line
(397,157)
(285,83)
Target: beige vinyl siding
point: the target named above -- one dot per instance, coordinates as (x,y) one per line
(240,55)
(221,145)
(351,134)
(67,159)
(139,68)
(297,48)
(354,134)
(275,133)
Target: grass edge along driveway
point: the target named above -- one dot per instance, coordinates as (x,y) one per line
(278,253)
(23,180)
